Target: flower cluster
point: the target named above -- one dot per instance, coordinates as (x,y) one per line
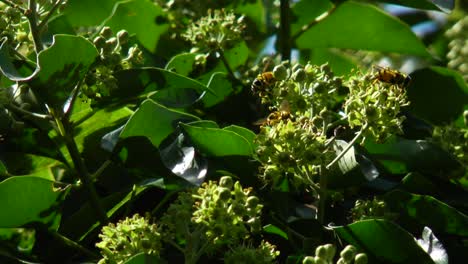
(324,254)
(218,30)
(374,106)
(292,150)
(265,253)
(100,81)
(453,139)
(458,45)
(370,209)
(127,238)
(14,27)
(214,214)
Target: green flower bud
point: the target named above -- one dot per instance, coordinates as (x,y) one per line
(308,260)
(106,32)
(224,193)
(252,202)
(21,36)
(122,36)
(348,253)
(280,72)
(342,261)
(299,75)
(360,258)
(321,252)
(331,250)
(319,260)
(99,42)
(226,182)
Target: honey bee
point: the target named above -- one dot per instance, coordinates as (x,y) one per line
(283,113)
(263,83)
(391,76)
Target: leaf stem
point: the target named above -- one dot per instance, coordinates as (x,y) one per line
(73,244)
(348,147)
(31,14)
(80,167)
(322,195)
(14,5)
(44,21)
(15,108)
(285,30)
(226,63)
(315,21)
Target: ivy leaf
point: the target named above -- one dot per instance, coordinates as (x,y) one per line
(182,64)
(27,199)
(437,95)
(154,121)
(383,241)
(216,142)
(61,66)
(362,26)
(139,17)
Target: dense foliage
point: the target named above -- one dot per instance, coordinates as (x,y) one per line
(250,131)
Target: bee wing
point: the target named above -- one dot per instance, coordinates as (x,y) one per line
(261,121)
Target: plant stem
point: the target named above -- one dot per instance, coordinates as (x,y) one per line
(226,64)
(17,109)
(44,21)
(322,195)
(80,167)
(315,21)
(285,30)
(74,245)
(12,4)
(348,147)
(31,14)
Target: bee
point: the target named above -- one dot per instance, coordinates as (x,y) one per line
(283,113)
(390,76)
(263,83)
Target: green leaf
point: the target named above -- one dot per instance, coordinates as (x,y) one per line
(361,26)
(443,5)
(244,132)
(170,88)
(62,65)
(154,121)
(87,13)
(383,241)
(272,229)
(254,10)
(9,68)
(221,87)
(217,142)
(416,155)
(27,199)
(339,62)
(139,17)
(142,258)
(182,63)
(429,211)
(34,165)
(305,11)
(437,95)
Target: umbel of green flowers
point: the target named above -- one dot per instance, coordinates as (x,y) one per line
(325,254)
(374,107)
(458,45)
(214,215)
(218,30)
(265,253)
(127,238)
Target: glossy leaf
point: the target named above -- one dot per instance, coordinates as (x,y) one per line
(221,87)
(142,259)
(444,5)
(429,211)
(360,26)
(244,132)
(27,199)
(437,95)
(139,17)
(182,64)
(34,165)
(79,13)
(217,142)
(304,12)
(154,121)
(8,67)
(433,246)
(272,229)
(170,88)
(62,65)
(383,241)
(254,10)
(184,161)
